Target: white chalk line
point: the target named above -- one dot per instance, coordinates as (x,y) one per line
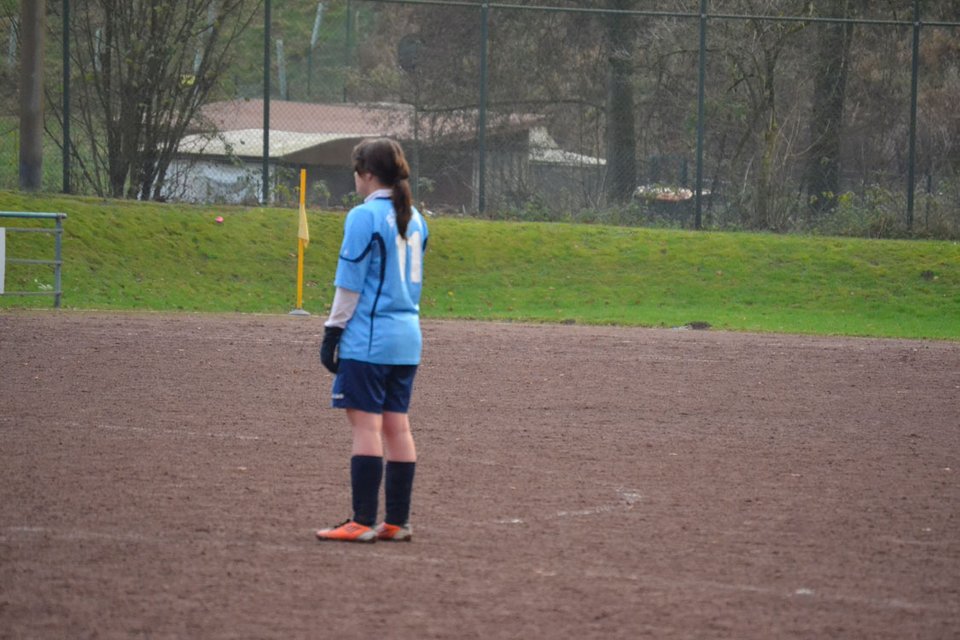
(626,501)
(74,535)
(797,593)
(627,498)
(401,555)
(630,497)
(154,431)
(165,432)
(178,432)
(82,535)
(223,435)
(919,543)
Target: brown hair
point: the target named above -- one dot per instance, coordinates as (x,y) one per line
(384,159)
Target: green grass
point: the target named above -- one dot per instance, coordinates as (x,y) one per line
(148,256)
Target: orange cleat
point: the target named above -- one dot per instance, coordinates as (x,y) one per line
(394,533)
(348,531)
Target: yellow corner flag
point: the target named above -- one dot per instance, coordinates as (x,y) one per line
(303,232)
(303,235)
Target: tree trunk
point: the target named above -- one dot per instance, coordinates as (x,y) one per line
(621,134)
(766,201)
(826,124)
(32,17)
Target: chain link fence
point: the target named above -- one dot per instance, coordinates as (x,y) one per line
(831,117)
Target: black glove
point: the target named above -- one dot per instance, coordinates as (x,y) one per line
(329,346)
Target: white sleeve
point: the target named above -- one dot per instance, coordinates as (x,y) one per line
(344,304)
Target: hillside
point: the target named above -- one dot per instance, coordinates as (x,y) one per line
(148,256)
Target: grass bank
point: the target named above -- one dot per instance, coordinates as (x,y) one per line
(162,257)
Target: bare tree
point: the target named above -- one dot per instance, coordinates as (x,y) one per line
(830,69)
(792,107)
(759,110)
(32,18)
(621,116)
(145,67)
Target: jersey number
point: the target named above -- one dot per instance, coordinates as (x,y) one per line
(416,257)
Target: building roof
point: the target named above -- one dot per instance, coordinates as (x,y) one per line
(325,134)
(298,148)
(300,132)
(392,120)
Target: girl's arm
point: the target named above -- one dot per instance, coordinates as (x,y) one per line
(344,304)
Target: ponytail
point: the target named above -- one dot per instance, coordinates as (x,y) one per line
(402,199)
(384,159)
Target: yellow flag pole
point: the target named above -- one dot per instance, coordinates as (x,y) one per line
(303,237)
(299,273)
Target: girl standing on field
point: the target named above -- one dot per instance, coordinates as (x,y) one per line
(372,340)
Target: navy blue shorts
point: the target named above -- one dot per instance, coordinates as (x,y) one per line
(373,388)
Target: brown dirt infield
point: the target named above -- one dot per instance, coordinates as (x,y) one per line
(162,476)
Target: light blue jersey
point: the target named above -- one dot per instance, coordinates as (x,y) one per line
(387,270)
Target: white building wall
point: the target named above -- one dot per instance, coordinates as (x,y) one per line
(206,181)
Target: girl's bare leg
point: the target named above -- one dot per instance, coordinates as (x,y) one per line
(398,439)
(367,428)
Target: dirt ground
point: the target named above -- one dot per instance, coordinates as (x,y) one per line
(161,476)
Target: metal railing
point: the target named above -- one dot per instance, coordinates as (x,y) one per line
(57,262)
(505,138)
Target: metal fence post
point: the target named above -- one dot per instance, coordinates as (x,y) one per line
(58,258)
(914,73)
(701,90)
(56,263)
(482,110)
(265,191)
(66,102)
(347,47)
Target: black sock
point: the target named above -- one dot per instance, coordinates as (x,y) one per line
(366,472)
(399,487)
